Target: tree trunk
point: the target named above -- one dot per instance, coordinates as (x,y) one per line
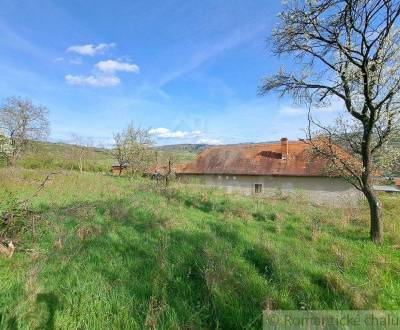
(168,174)
(376,231)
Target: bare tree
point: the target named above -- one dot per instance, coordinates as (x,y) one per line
(82,149)
(347,50)
(131,148)
(120,151)
(23,121)
(165,167)
(139,154)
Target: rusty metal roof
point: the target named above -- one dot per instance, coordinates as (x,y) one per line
(159,169)
(255,159)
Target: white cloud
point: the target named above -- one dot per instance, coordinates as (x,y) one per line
(58,59)
(111,66)
(94,81)
(90,49)
(209,141)
(103,72)
(166,133)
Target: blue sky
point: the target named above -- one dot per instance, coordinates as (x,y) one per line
(188,70)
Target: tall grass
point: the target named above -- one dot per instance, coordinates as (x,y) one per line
(111,252)
(41,155)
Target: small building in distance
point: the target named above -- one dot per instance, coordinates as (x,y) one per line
(117,169)
(153,172)
(282,167)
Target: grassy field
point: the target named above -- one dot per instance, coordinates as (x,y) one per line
(59,156)
(98,252)
(56,156)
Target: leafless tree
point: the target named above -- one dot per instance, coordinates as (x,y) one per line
(23,121)
(131,148)
(82,149)
(165,165)
(345,50)
(120,151)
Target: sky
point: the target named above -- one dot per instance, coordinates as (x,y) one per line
(188,71)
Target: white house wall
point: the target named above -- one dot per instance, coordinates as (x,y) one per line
(319,189)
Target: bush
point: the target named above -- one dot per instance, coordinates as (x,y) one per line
(11,213)
(8,203)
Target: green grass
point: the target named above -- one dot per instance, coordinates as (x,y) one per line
(57,156)
(60,156)
(109,252)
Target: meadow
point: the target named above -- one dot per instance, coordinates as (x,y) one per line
(60,156)
(95,251)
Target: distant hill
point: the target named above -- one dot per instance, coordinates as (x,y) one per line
(191,147)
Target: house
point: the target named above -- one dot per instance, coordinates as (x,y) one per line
(159,171)
(119,169)
(268,168)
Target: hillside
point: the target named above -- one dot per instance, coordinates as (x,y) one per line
(190,147)
(98,252)
(182,152)
(47,155)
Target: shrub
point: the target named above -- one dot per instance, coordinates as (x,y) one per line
(11,213)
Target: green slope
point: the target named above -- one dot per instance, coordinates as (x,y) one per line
(108,252)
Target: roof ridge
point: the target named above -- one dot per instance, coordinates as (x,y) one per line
(257,144)
(242,159)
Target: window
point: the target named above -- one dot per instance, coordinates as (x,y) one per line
(258,188)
